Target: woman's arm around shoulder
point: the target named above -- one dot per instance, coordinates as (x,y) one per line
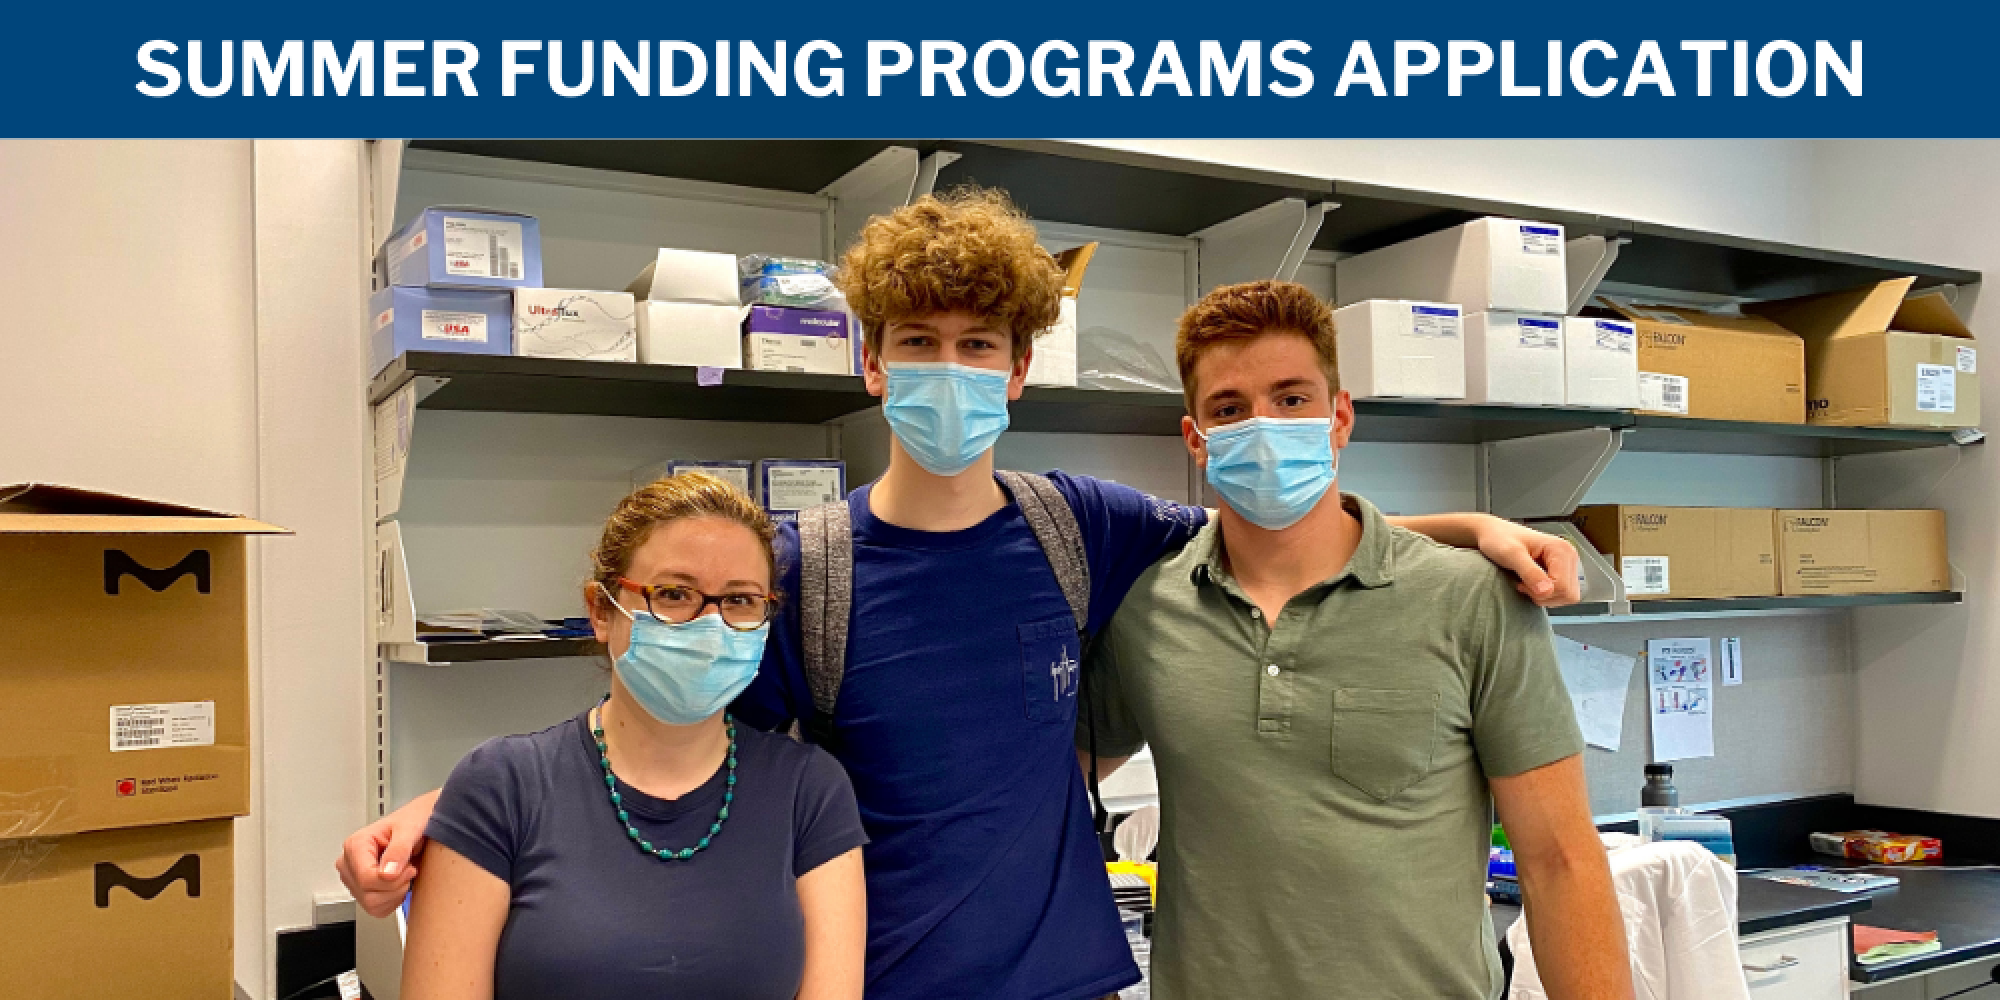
(456,915)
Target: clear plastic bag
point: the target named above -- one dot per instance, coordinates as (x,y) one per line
(1114,359)
(794,282)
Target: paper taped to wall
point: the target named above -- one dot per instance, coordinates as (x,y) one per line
(1598,680)
(1680,676)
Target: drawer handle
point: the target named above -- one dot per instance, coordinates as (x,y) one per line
(1783,962)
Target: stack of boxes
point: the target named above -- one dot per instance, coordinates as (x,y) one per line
(1722,552)
(689,310)
(784,486)
(796,320)
(124,743)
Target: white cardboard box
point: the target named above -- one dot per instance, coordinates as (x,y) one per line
(1054,359)
(1600,363)
(786,352)
(689,276)
(1514,358)
(1491,264)
(691,333)
(570,323)
(1397,348)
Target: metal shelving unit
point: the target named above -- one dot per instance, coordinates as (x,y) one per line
(489,650)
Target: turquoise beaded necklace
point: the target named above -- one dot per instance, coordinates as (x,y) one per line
(611,785)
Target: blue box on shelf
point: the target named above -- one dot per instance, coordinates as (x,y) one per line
(455,320)
(460,247)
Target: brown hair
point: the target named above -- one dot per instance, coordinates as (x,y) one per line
(688,494)
(1238,313)
(969,249)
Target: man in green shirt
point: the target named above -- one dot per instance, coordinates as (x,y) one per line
(1331,701)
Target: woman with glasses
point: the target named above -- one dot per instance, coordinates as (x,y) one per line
(651,846)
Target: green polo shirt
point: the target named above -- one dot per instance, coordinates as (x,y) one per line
(1323,778)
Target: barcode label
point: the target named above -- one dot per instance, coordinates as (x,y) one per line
(1612,336)
(482,248)
(1663,393)
(1541,241)
(167,724)
(450,324)
(1539,334)
(1937,389)
(1968,360)
(1434,321)
(1645,574)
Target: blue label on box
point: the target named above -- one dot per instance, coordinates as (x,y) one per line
(1434,310)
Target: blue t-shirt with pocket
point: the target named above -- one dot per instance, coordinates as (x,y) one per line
(955,722)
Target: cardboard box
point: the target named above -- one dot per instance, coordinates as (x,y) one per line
(124,698)
(1877,359)
(465,247)
(1862,552)
(453,320)
(691,333)
(1686,552)
(146,912)
(1486,265)
(689,276)
(569,323)
(741,475)
(1600,363)
(776,338)
(1053,361)
(1391,348)
(790,485)
(1697,364)
(1514,358)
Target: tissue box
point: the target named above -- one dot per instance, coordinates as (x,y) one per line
(790,485)
(1054,358)
(1513,358)
(465,247)
(780,339)
(1486,265)
(1600,363)
(1390,347)
(567,323)
(690,333)
(689,276)
(453,320)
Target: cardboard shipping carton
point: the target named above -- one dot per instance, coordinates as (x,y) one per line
(1862,552)
(1490,264)
(1054,359)
(145,912)
(124,662)
(1877,359)
(1600,363)
(1392,348)
(1686,552)
(1698,364)
(1514,359)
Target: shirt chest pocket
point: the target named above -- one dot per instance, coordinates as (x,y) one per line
(1384,741)
(1051,669)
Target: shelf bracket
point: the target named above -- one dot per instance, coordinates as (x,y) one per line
(883,184)
(1601,582)
(1588,259)
(1264,243)
(1546,475)
(927,172)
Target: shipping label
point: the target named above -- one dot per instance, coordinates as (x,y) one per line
(1663,393)
(1539,334)
(1434,321)
(800,487)
(450,324)
(1645,575)
(1541,241)
(1937,388)
(482,248)
(1613,336)
(1968,360)
(167,724)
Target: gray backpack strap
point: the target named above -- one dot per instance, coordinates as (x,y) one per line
(1055,527)
(826,593)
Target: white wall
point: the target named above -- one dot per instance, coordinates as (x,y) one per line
(1929,685)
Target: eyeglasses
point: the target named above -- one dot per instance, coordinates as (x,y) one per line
(676,604)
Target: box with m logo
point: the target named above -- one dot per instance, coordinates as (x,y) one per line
(124,656)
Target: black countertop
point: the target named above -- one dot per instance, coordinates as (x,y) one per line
(1761,905)
(1962,906)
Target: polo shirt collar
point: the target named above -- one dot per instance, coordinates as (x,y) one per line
(1372,565)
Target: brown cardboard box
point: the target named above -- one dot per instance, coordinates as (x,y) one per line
(124,662)
(145,912)
(1877,359)
(1686,552)
(1696,364)
(1862,552)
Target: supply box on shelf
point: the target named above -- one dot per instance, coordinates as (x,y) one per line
(1392,348)
(1514,358)
(789,485)
(124,628)
(1698,364)
(1490,264)
(1600,363)
(1685,552)
(1054,359)
(1862,552)
(573,323)
(781,339)
(793,282)
(1879,846)
(735,473)
(689,276)
(453,320)
(468,247)
(148,911)
(703,334)
(1877,359)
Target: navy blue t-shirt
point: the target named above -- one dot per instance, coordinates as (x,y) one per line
(594,917)
(956,725)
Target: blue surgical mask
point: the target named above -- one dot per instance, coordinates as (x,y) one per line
(1272,470)
(682,674)
(946,415)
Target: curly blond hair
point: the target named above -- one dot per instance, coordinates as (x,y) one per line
(970,249)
